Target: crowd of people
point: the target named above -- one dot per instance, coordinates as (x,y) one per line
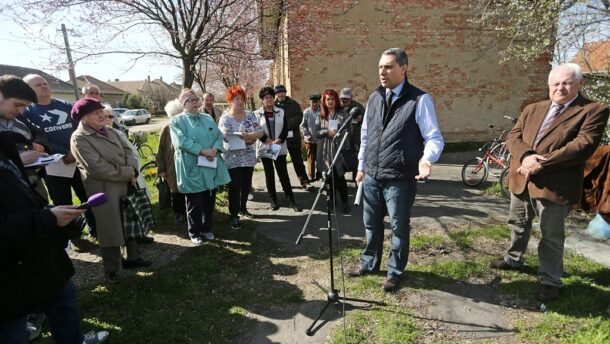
(396,137)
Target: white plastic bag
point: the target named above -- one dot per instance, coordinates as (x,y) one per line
(599,228)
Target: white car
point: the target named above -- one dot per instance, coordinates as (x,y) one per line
(135,116)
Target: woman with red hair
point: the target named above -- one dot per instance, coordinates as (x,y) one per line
(241,130)
(332,117)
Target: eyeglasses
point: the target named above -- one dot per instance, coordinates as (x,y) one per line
(109,116)
(192,99)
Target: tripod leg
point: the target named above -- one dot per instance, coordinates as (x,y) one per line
(309,331)
(381,303)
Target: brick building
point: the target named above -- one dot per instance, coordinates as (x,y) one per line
(338,44)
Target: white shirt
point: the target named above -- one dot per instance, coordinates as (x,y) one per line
(425,117)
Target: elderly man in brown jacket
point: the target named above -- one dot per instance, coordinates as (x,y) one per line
(550,143)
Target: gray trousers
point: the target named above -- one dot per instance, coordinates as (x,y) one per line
(552,225)
(111,256)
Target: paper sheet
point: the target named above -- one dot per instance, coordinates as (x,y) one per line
(204,162)
(234,142)
(333,124)
(59,169)
(45,160)
(290,134)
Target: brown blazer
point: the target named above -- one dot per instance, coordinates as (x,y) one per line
(570,140)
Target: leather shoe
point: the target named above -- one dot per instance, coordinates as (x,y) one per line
(138,263)
(358,272)
(145,240)
(501,264)
(548,292)
(390,284)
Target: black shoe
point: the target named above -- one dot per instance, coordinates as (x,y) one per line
(145,240)
(274,205)
(235,223)
(138,263)
(247,214)
(390,284)
(292,204)
(501,264)
(547,293)
(112,277)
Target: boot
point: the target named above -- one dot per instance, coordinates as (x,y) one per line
(292,204)
(274,205)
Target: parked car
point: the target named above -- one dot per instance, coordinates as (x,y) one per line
(135,116)
(118,111)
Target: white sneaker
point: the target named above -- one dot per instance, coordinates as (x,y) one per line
(196,240)
(208,235)
(95,337)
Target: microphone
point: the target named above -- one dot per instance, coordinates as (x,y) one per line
(358,198)
(93,201)
(353,113)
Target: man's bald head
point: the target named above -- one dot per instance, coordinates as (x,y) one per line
(40,86)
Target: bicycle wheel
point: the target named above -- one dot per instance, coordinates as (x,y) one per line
(504,183)
(496,167)
(474,172)
(145,151)
(500,152)
(149,171)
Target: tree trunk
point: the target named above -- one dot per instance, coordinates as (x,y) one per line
(188,75)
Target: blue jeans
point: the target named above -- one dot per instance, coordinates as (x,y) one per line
(395,197)
(64,321)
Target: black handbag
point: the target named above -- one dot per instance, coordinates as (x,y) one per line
(136,214)
(165,195)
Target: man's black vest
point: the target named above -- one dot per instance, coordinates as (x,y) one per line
(394,146)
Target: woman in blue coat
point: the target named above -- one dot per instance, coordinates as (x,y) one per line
(199,168)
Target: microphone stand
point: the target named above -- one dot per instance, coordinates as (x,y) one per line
(332,295)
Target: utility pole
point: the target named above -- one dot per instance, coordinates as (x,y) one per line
(70,63)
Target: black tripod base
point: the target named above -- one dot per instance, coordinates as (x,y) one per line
(332,296)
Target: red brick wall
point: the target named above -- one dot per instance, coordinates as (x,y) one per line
(337,43)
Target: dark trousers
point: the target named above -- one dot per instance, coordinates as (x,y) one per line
(337,183)
(199,211)
(239,187)
(60,191)
(282,173)
(178,203)
(297,163)
(311,149)
(62,315)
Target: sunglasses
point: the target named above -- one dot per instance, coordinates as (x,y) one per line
(109,116)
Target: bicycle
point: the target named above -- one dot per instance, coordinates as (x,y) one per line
(138,139)
(503,181)
(149,170)
(495,159)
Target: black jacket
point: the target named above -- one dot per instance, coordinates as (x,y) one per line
(33,262)
(293,117)
(394,143)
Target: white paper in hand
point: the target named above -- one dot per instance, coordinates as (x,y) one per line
(290,134)
(45,160)
(204,162)
(333,124)
(235,142)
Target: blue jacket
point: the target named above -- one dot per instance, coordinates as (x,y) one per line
(190,134)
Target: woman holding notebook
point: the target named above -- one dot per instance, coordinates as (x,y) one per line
(200,170)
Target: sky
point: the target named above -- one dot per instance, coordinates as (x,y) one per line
(18,49)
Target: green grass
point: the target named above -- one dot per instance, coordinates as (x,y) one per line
(467,237)
(425,242)
(390,325)
(581,315)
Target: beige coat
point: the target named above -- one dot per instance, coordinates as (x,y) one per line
(106,165)
(165,159)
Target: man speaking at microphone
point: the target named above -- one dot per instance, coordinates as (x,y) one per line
(400,140)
